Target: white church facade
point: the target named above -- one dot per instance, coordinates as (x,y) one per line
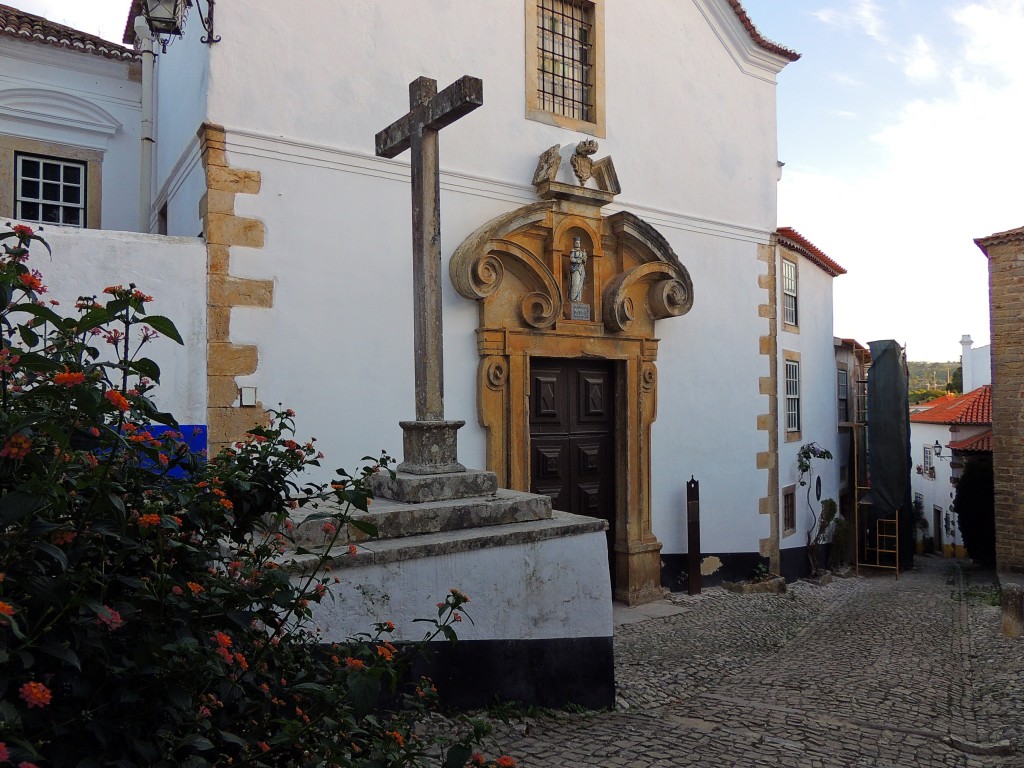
(642,134)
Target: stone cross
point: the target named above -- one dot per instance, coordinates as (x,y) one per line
(429,111)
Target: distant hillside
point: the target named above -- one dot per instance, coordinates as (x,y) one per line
(934,375)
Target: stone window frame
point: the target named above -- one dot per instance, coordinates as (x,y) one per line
(534,109)
(788,510)
(11,146)
(791,361)
(790,296)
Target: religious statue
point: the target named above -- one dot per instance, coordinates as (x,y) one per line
(577,270)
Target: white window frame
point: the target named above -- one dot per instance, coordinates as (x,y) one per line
(792,384)
(928,462)
(50,193)
(842,395)
(790,288)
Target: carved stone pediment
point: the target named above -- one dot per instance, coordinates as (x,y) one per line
(516,266)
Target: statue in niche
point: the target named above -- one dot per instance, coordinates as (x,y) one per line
(577,270)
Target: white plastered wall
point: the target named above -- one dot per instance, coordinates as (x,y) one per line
(81,100)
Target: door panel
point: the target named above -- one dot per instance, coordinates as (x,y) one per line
(572,441)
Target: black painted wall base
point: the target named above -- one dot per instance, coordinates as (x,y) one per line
(737,566)
(547,673)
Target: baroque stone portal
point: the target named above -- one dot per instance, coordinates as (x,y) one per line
(514,267)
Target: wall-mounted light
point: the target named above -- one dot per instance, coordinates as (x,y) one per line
(937,450)
(167,18)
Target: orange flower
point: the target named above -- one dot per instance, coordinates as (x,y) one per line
(16,447)
(117,399)
(196,588)
(226,503)
(64,537)
(477,759)
(69,378)
(223,640)
(6,608)
(385,653)
(396,737)
(147,520)
(31,282)
(505,762)
(354,663)
(35,694)
(23,232)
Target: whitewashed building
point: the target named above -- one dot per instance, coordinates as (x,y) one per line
(264,143)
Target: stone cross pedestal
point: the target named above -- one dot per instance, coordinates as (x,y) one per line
(430,442)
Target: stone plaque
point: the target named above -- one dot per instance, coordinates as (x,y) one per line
(579,311)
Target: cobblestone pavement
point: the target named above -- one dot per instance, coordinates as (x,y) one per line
(866,671)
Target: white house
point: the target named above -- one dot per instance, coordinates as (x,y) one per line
(939,438)
(264,143)
(70,126)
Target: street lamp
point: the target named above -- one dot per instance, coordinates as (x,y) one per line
(937,450)
(167,17)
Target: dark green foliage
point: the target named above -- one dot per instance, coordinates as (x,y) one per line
(975,506)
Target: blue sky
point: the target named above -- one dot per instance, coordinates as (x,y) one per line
(899,128)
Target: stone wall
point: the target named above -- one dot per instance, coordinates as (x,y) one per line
(1005,251)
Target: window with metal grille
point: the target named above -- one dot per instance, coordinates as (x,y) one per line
(789,313)
(789,509)
(843,394)
(565,58)
(49,191)
(927,458)
(792,396)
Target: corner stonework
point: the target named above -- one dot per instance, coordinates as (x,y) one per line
(226,421)
(769,422)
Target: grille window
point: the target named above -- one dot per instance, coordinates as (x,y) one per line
(843,394)
(789,510)
(49,191)
(565,58)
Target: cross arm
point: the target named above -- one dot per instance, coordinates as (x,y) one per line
(458,99)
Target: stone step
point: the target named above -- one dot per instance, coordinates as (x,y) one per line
(394,519)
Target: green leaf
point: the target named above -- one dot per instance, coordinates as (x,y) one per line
(16,505)
(30,337)
(63,653)
(93,319)
(146,367)
(363,525)
(458,755)
(55,552)
(364,690)
(39,310)
(164,326)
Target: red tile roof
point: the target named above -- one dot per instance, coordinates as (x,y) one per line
(978,444)
(28,26)
(762,41)
(1000,238)
(937,401)
(973,408)
(793,240)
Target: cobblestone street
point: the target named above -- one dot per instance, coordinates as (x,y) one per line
(866,671)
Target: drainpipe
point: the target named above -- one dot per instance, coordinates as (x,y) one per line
(146,162)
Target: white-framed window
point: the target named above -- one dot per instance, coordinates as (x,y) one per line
(50,190)
(565,63)
(790,316)
(789,509)
(792,395)
(927,463)
(843,394)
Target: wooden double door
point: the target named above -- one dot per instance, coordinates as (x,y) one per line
(572,436)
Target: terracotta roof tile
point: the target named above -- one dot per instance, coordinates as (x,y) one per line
(793,240)
(757,37)
(973,408)
(978,444)
(28,26)
(1000,238)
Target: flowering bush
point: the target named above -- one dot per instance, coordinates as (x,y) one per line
(148,614)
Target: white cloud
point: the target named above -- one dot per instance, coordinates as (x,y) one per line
(843,113)
(951,171)
(864,15)
(920,63)
(845,78)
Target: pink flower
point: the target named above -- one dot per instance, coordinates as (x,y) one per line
(110,618)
